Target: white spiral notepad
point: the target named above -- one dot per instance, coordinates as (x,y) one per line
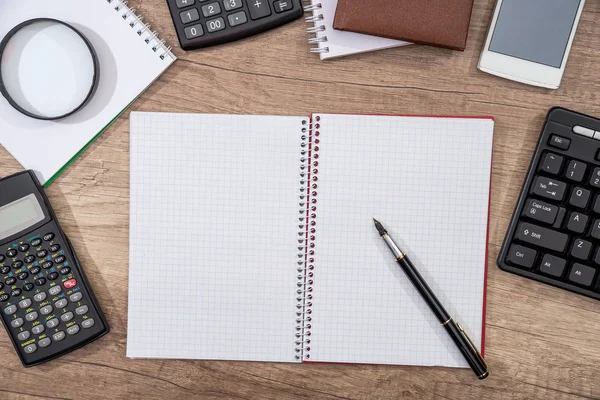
(130,55)
(252,236)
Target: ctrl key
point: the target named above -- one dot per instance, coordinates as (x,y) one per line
(521,256)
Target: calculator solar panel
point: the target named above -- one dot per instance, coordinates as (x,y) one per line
(554,235)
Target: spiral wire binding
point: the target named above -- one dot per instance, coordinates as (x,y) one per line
(316,29)
(306,236)
(137,23)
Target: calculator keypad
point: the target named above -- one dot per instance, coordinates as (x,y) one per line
(201,23)
(41,298)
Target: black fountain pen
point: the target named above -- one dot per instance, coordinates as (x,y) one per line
(456,332)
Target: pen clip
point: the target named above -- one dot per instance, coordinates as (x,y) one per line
(460,328)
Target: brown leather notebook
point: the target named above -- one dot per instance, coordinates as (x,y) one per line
(443,23)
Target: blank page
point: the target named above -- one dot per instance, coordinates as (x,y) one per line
(427,180)
(213,236)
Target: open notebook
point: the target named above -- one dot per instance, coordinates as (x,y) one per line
(131,57)
(331,43)
(252,236)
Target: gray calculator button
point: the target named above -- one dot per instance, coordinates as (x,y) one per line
(30,349)
(10,310)
(237,18)
(194,31)
(66,317)
(88,323)
(81,310)
(75,297)
(73,329)
(46,310)
(189,16)
(16,323)
(32,316)
(25,303)
(211,9)
(38,329)
(54,290)
(45,342)
(58,336)
(53,323)
(232,4)
(214,25)
(62,303)
(40,297)
(184,3)
(23,335)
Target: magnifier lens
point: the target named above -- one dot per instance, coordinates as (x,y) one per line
(47,69)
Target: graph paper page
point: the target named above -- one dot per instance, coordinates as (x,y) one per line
(427,180)
(213,236)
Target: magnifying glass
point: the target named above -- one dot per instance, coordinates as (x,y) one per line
(48,69)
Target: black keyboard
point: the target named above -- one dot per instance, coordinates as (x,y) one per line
(202,23)
(554,235)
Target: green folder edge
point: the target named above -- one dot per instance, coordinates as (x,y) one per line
(84,148)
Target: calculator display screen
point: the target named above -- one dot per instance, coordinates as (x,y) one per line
(535,30)
(19,215)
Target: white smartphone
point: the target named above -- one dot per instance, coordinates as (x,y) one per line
(529,40)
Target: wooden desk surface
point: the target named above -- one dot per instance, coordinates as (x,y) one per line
(542,342)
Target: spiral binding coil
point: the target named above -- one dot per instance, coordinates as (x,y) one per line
(306,236)
(135,22)
(316,29)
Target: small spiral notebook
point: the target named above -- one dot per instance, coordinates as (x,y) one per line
(252,236)
(331,43)
(131,57)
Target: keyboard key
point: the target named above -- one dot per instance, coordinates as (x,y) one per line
(36,330)
(232,5)
(15,292)
(194,31)
(549,188)
(45,342)
(40,281)
(88,323)
(11,253)
(10,281)
(581,249)
(66,317)
(211,9)
(17,264)
(35,270)
(543,237)
(4,297)
(32,316)
(576,170)
(540,211)
(596,229)
(46,310)
(189,16)
(283,5)
(54,290)
(58,336)
(60,259)
(72,330)
(75,297)
(36,242)
(259,9)
(41,253)
(2,257)
(47,265)
(29,259)
(184,3)
(53,276)
(54,248)
(4,270)
(552,265)
(62,303)
(580,130)
(582,274)
(23,248)
(22,276)
(522,256)
(214,25)
(23,336)
(238,18)
(53,323)
(552,163)
(577,222)
(595,179)
(65,271)
(48,237)
(10,309)
(28,287)
(81,310)
(70,284)
(39,297)
(25,303)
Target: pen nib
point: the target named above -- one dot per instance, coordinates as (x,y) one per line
(379,227)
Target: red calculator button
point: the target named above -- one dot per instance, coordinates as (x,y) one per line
(71,283)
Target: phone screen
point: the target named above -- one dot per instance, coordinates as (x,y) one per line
(535,30)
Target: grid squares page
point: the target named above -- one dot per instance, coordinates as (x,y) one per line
(213,236)
(427,180)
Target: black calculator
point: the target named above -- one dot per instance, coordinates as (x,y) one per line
(203,23)
(554,235)
(47,305)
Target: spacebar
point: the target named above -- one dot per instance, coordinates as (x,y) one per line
(542,237)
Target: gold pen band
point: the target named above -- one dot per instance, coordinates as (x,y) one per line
(484,375)
(400,257)
(446,323)
(384,235)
